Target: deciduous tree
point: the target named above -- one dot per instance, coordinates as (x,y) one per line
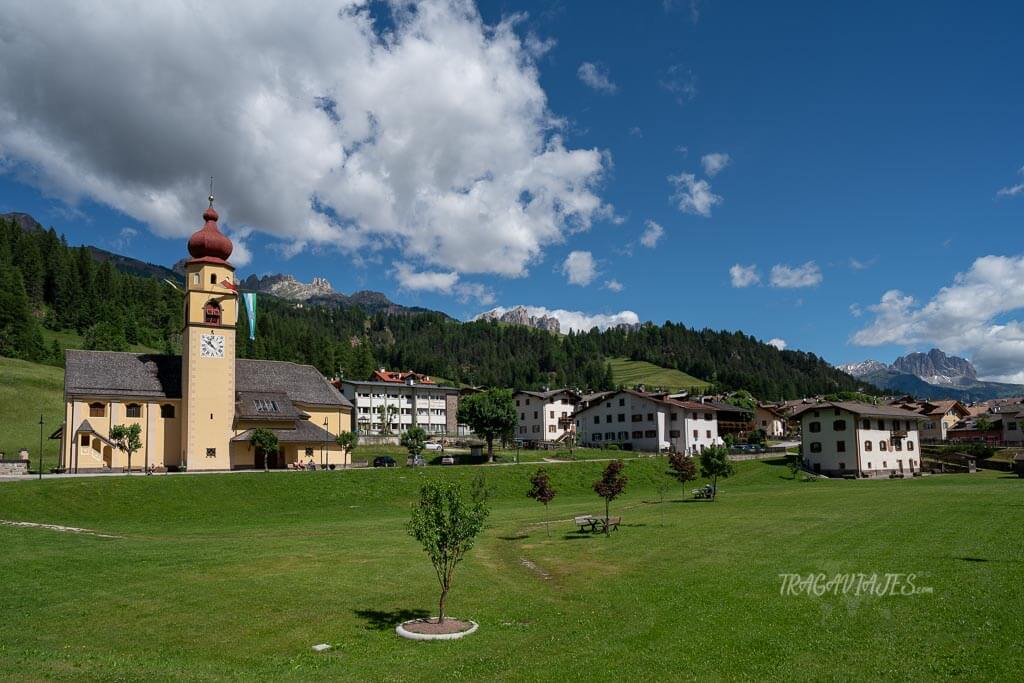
(715,463)
(542,491)
(611,485)
(266,441)
(414,440)
(490,414)
(446,525)
(683,469)
(128,439)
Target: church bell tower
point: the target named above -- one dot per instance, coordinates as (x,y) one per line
(208,349)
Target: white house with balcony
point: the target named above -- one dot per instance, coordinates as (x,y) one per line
(650,422)
(545,415)
(860,439)
(392,407)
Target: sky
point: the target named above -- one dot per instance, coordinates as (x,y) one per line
(841,178)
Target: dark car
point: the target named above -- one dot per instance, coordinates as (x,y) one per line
(384,461)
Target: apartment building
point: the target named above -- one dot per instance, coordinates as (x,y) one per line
(392,402)
(851,438)
(545,415)
(651,422)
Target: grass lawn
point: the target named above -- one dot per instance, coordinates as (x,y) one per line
(235,576)
(631,372)
(26,391)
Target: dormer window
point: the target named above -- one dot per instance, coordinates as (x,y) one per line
(265,405)
(212,313)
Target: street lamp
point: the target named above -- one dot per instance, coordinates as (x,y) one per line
(40,447)
(323,448)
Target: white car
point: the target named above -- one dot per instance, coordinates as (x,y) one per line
(433,447)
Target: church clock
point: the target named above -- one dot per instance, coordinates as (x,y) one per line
(211,346)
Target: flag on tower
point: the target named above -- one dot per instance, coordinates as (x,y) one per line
(250,310)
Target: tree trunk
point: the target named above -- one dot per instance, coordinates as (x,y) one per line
(490,449)
(547,520)
(606,503)
(714,489)
(129,463)
(440,605)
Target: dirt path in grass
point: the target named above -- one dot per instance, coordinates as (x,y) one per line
(57,527)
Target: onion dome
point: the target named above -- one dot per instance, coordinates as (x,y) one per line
(209,243)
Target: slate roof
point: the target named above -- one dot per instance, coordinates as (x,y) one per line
(137,375)
(547,395)
(143,375)
(304,432)
(266,405)
(858,408)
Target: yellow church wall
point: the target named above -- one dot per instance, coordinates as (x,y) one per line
(159,435)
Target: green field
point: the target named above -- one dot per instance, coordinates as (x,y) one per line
(26,391)
(631,372)
(235,576)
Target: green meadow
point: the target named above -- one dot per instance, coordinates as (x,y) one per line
(28,390)
(236,576)
(632,372)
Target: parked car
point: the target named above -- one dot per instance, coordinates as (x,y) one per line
(433,446)
(448,460)
(415,461)
(384,461)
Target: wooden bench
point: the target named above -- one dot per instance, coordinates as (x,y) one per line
(612,523)
(586,521)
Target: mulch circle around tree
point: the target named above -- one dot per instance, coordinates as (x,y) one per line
(429,629)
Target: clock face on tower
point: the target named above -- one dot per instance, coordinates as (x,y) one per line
(211,346)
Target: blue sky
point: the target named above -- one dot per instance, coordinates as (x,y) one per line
(872,139)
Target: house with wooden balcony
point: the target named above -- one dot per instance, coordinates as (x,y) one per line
(848,438)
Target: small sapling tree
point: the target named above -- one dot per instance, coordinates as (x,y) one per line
(490,414)
(266,441)
(349,441)
(683,469)
(414,440)
(542,492)
(127,438)
(446,525)
(611,485)
(715,463)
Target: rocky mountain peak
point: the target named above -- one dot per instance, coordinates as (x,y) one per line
(519,315)
(935,367)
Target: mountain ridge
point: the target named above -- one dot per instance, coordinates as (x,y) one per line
(934,375)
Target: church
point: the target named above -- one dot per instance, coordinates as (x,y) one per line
(197,411)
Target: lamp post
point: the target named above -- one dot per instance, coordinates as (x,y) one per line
(323,448)
(40,447)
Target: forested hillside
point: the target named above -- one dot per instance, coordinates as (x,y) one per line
(45,283)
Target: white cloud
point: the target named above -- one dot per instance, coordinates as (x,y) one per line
(856,311)
(430,281)
(579,321)
(966,317)
(713,163)
(636,132)
(613,286)
(806,275)
(744,276)
(580,268)
(441,282)
(124,238)
(780,344)
(427,132)
(1012,190)
(856,264)
(596,76)
(652,233)
(692,195)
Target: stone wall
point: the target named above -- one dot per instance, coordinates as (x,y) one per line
(13,468)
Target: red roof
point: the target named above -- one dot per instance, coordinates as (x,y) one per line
(399,377)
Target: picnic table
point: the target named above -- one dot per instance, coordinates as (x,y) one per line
(593,523)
